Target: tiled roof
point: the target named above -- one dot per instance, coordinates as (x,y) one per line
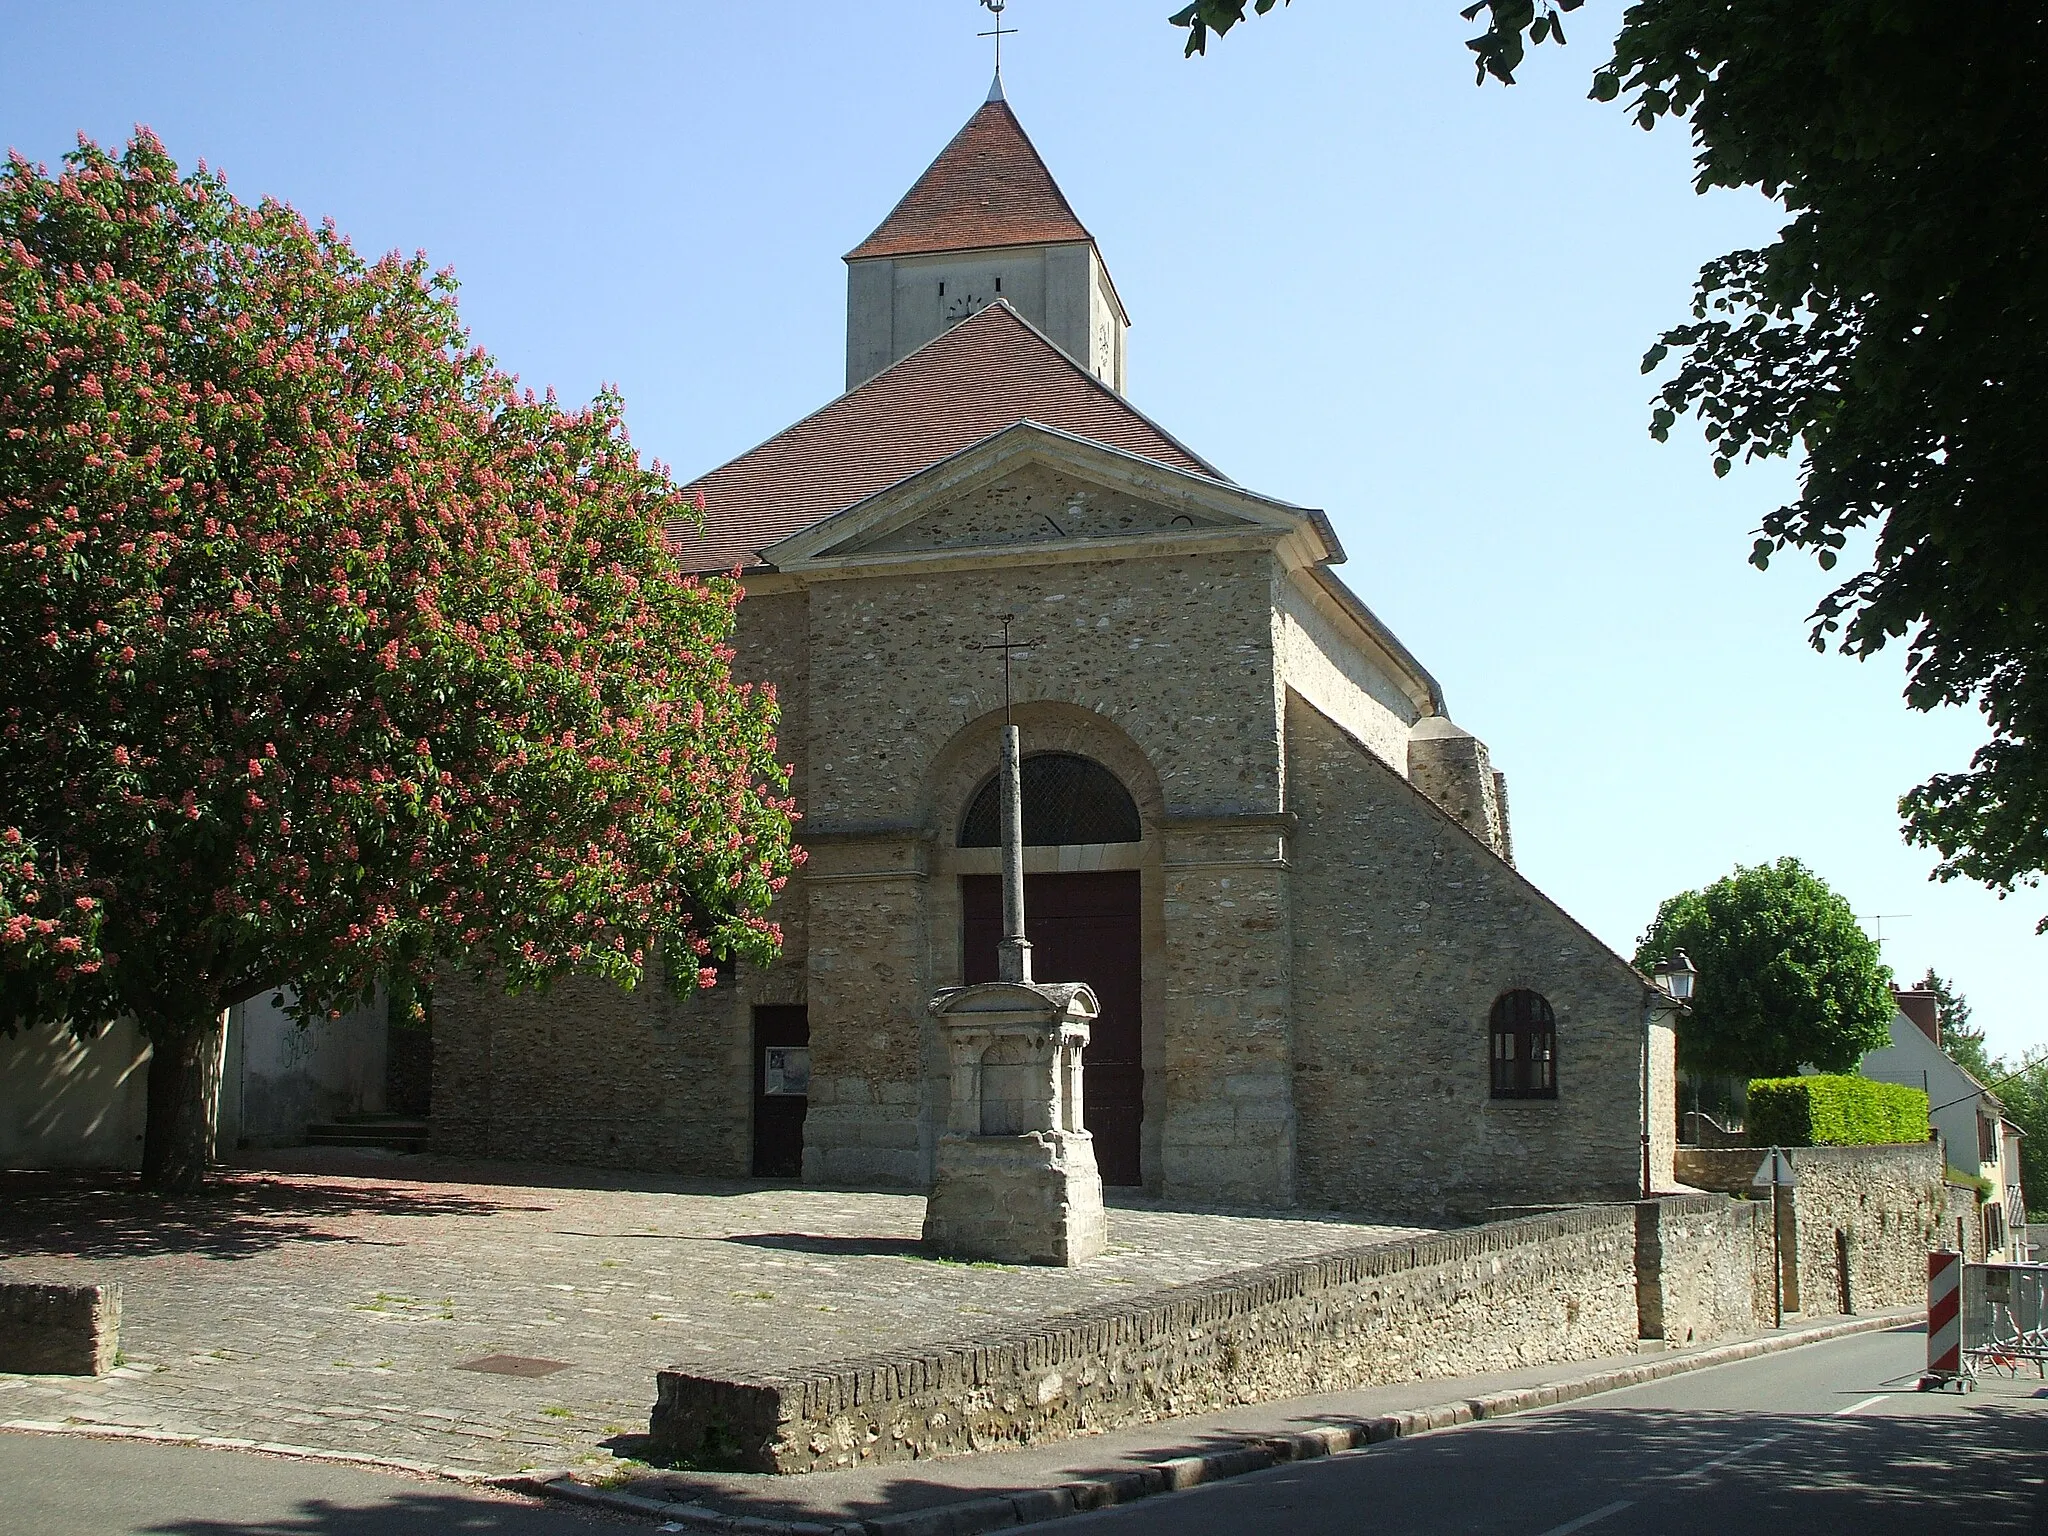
(988,188)
(987,373)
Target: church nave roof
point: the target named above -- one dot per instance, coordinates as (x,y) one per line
(989,372)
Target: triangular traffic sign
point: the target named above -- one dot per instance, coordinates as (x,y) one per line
(1775,1171)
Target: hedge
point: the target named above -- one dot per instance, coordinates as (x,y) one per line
(1834,1112)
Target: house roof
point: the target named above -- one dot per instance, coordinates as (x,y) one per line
(987,373)
(988,188)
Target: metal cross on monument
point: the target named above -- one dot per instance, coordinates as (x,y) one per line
(1008,647)
(1013,955)
(1000,32)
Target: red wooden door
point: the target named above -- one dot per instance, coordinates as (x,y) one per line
(1082,928)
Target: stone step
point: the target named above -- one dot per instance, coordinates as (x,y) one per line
(393,1133)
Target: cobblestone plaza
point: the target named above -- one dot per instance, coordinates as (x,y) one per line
(330,1301)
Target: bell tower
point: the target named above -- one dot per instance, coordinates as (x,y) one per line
(985,222)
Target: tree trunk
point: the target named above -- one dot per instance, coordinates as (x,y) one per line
(184,1098)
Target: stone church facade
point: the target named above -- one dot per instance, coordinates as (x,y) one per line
(1253,827)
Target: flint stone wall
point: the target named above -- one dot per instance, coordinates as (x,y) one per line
(1962,1226)
(1703,1267)
(1890,1201)
(1409,929)
(1536,1290)
(59,1330)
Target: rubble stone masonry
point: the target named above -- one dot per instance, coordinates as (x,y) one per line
(1540,1289)
(1410,929)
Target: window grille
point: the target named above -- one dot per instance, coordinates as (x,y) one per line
(1068,799)
(1524,1035)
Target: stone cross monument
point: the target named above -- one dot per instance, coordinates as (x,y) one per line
(1016,1181)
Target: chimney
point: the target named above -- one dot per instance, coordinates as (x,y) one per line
(1923,1008)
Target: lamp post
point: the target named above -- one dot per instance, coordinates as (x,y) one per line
(1674,976)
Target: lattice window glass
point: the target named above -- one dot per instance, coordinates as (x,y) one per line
(1068,799)
(1524,1046)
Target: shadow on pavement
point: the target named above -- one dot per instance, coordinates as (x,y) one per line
(842,1247)
(237,1214)
(438,1168)
(1977,1470)
(424,1513)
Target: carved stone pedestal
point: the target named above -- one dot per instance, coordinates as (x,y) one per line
(1017,1182)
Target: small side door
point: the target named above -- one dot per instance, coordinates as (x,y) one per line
(782,1082)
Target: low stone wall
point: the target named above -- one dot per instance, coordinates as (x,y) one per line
(59,1330)
(1540,1289)
(1703,1268)
(1962,1226)
(1885,1205)
(1728,1169)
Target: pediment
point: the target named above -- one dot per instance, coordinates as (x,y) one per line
(1035,504)
(1030,488)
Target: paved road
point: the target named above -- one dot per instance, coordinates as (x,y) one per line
(1817,1441)
(66,1485)
(1829,1440)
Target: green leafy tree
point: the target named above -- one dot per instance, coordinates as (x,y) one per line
(1890,336)
(1787,977)
(1511,26)
(2023,1088)
(332,655)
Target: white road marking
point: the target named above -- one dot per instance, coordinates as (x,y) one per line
(1843,1413)
(1585,1520)
(1726,1456)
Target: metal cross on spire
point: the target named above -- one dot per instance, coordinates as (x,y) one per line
(1000,32)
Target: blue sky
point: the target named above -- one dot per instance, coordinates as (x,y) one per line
(1355,281)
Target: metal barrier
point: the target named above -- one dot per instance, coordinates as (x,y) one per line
(2005,1317)
(1983,1317)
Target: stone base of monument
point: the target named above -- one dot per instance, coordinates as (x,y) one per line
(1016,1181)
(1031,1199)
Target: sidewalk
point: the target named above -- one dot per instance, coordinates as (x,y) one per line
(961,1496)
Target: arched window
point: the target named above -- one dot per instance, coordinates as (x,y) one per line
(1068,799)
(1524,1032)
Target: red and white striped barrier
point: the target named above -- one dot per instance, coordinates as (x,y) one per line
(1945,1314)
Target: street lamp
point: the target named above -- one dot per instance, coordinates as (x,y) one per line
(1674,977)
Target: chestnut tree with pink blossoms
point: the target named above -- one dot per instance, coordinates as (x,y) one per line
(332,657)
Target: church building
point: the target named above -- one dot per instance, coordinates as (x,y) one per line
(1252,826)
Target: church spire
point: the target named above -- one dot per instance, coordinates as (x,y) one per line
(989,187)
(985,222)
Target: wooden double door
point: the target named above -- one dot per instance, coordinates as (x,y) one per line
(1082,927)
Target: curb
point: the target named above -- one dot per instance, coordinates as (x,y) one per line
(267,1447)
(1032,1506)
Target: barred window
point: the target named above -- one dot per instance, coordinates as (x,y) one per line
(1068,799)
(1524,1032)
